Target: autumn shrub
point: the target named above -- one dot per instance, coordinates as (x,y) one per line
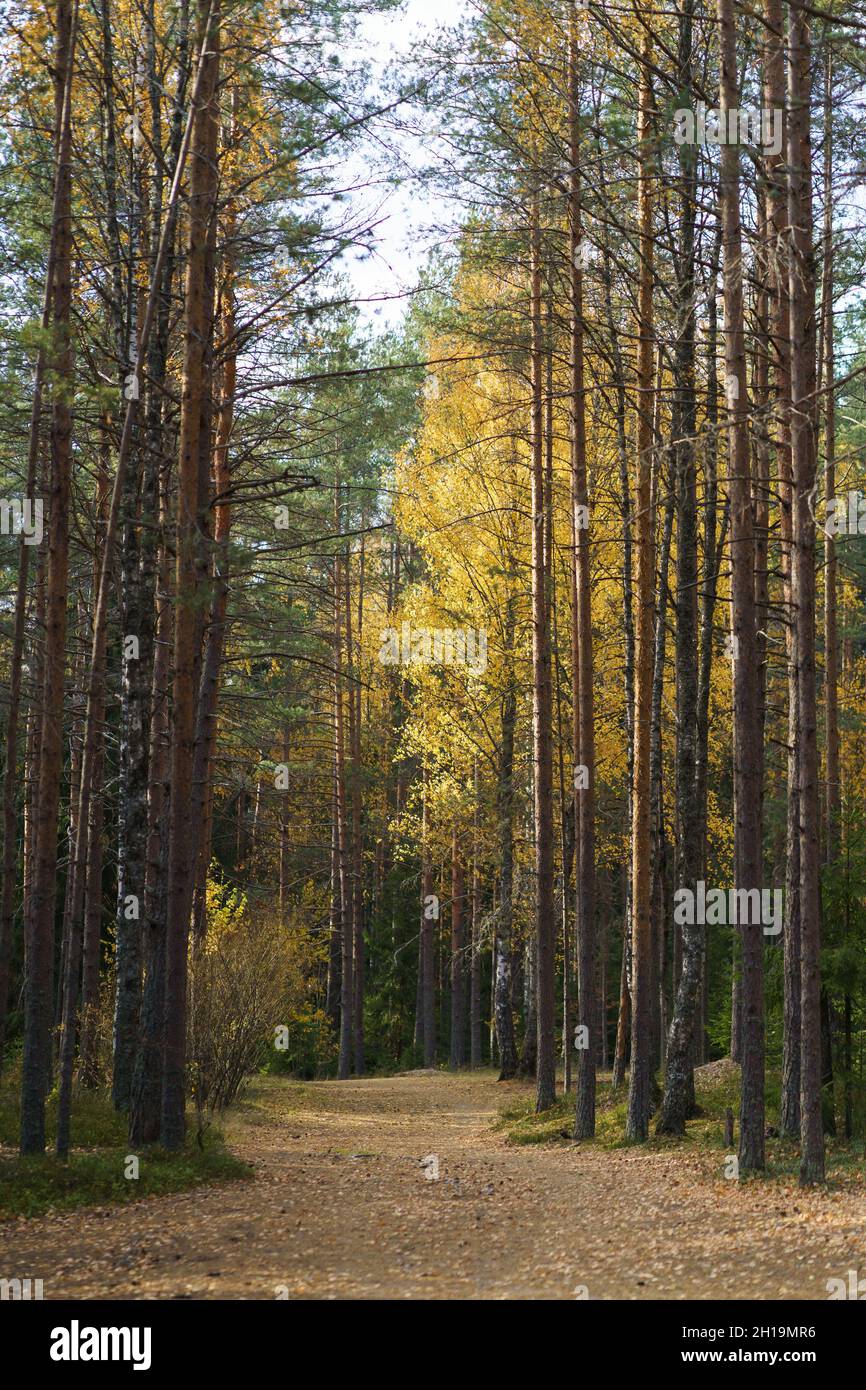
(248,978)
(309,1048)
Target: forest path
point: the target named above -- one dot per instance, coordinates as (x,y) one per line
(341,1208)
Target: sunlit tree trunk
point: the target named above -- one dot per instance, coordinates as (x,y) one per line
(429,916)
(346,938)
(804,461)
(748,748)
(187,592)
(215,638)
(640,1076)
(587,1014)
(678,1099)
(545,928)
(475,960)
(458,952)
(39,928)
(503,946)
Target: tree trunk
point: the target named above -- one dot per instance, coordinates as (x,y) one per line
(678,1100)
(9,873)
(93,884)
(146,1095)
(427,964)
(748,747)
(776,220)
(208,698)
(357,868)
(545,928)
(831,637)
(503,945)
(803,458)
(475,961)
(39,928)
(346,940)
(181,851)
(582,652)
(640,1077)
(458,951)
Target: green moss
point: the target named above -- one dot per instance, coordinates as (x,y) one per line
(716,1090)
(30,1186)
(95,1172)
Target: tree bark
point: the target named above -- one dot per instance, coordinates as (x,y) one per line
(545,929)
(776,220)
(678,1099)
(39,928)
(346,939)
(475,961)
(803,457)
(587,1014)
(503,946)
(458,952)
(640,1076)
(187,592)
(427,963)
(748,747)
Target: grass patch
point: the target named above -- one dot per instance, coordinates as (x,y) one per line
(717,1088)
(95,1173)
(95,1122)
(31,1186)
(521,1125)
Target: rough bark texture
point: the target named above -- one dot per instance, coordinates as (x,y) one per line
(475,961)
(640,1075)
(542,709)
(748,751)
(779,347)
(16,661)
(146,1094)
(503,1011)
(346,940)
(427,963)
(458,952)
(678,1097)
(587,1014)
(187,583)
(803,457)
(39,928)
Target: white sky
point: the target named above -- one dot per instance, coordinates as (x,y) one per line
(400,241)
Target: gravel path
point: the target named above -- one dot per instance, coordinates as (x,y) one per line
(341,1207)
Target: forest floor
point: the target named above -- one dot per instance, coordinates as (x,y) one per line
(341,1207)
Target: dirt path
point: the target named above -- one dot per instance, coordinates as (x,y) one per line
(341,1208)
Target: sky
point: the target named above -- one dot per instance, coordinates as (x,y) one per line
(401,240)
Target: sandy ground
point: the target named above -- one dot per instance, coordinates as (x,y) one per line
(341,1207)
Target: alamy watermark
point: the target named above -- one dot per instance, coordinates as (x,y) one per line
(760,127)
(734,907)
(852,1288)
(21,1290)
(846,515)
(429,646)
(77,1343)
(22,516)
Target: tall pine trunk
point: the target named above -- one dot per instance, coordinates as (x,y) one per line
(181,850)
(587,1014)
(804,462)
(678,1100)
(545,929)
(748,747)
(39,927)
(640,1075)
(458,952)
